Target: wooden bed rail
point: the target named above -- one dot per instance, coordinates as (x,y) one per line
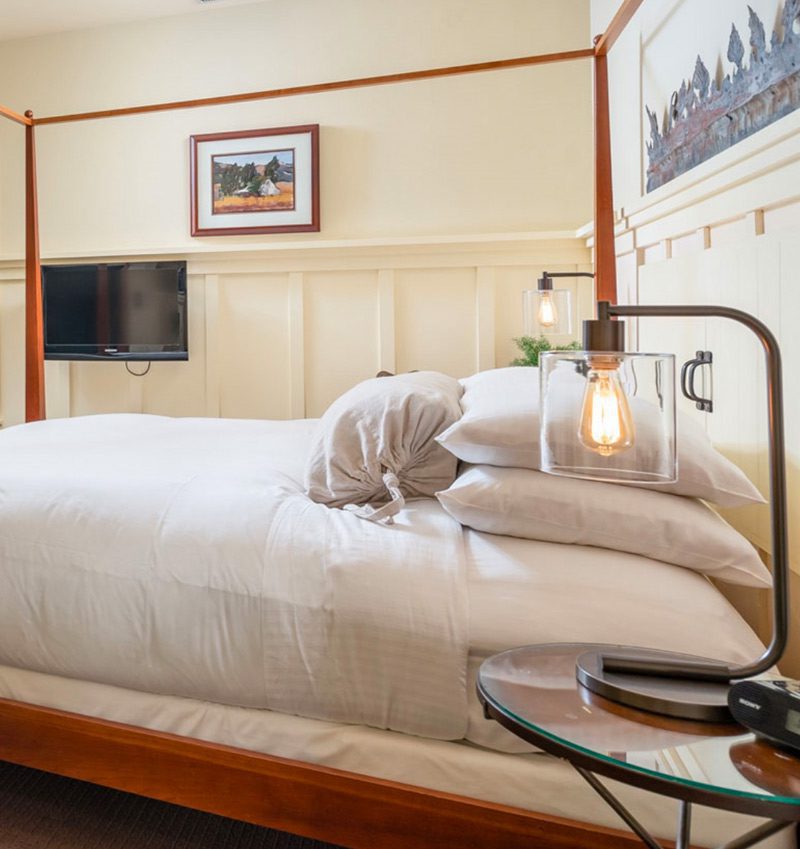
(319,88)
(345,808)
(621,19)
(5,112)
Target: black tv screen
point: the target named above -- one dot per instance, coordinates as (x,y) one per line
(125,311)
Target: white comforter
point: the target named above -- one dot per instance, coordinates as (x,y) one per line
(180,556)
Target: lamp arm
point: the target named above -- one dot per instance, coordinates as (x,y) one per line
(546,280)
(777,467)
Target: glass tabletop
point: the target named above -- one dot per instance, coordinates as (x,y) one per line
(534,693)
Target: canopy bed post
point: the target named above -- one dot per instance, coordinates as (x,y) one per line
(605,260)
(34,325)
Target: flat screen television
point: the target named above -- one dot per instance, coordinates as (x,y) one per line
(125,311)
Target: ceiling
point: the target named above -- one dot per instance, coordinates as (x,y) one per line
(24,18)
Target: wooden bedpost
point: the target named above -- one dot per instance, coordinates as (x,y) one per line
(605,260)
(605,255)
(34,324)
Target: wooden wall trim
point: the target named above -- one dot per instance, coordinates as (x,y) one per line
(318,88)
(465,246)
(34,322)
(319,802)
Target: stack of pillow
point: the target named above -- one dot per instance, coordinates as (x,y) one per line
(500,490)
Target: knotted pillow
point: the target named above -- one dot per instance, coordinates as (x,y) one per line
(376,445)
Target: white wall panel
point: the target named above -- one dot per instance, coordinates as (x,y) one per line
(12,350)
(510,283)
(100,388)
(688,243)
(729,232)
(783,217)
(252,345)
(341,334)
(436,320)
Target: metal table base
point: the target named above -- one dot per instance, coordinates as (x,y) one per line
(683,841)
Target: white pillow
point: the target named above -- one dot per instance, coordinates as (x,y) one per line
(500,427)
(376,442)
(534,505)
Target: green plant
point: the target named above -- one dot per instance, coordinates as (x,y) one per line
(532,346)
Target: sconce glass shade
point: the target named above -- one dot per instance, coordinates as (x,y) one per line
(547,312)
(608,416)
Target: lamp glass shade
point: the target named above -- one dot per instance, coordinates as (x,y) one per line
(547,312)
(608,416)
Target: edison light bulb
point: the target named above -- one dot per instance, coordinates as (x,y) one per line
(547,315)
(606,423)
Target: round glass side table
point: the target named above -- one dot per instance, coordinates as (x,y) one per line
(533,692)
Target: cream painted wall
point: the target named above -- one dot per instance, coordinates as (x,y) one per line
(441,200)
(725,232)
(459,155)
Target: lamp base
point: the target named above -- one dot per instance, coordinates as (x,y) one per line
(705,701)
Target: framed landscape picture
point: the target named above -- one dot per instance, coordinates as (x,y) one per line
(255,181)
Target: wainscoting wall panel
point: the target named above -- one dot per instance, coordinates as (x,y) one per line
(436,320)
(253,346)
(755,273)
(339,352)
(279,330)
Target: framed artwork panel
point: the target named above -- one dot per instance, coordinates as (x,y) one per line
(255,181)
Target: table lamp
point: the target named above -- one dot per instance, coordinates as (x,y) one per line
(610,415)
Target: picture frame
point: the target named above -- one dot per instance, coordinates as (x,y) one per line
(255,182)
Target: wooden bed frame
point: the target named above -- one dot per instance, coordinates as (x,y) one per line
(341,807)
(345,808)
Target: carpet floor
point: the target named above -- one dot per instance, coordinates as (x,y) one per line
(43,811)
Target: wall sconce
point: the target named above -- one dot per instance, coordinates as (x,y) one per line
(548,311)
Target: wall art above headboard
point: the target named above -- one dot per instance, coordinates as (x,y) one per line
(706,116)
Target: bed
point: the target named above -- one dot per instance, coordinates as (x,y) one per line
(171,578)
